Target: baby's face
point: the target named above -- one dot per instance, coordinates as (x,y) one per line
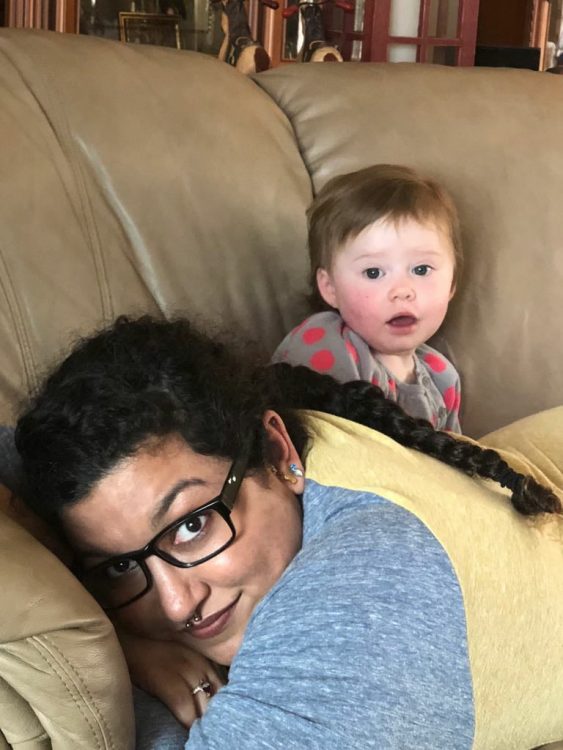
(392,284)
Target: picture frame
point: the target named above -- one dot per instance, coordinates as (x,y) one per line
(150,28)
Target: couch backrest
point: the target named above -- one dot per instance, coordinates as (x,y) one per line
(139,179)
(493,137)
(143,179)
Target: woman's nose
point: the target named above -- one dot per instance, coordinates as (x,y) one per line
(178,590)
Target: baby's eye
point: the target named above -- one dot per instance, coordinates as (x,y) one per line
(373,273)
(422,270)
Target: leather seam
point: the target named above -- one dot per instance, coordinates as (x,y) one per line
(17,316)
(101,718)
(62,668)
(58,125)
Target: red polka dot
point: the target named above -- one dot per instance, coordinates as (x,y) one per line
(435,363)
(391,384)
(450,397)
(375,381)
(322,361)
(353,352)
(312,335)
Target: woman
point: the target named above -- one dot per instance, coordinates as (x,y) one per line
(361,593)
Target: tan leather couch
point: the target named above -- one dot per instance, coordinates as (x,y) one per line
(142,179)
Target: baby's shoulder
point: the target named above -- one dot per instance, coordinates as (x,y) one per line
(439,367)
(327,322)
(320,330)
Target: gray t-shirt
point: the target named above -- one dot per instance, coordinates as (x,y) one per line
(361,645)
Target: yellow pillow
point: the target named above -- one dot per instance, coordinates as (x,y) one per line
(533,445)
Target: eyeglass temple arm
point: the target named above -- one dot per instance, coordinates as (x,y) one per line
(235,478)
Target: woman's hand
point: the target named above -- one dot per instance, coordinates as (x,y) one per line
(170,672)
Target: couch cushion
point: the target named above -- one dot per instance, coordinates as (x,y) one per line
(140,179)
(493,137)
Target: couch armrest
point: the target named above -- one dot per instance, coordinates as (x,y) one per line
(63,679)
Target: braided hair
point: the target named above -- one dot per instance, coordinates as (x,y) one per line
(145,379)
(361,402)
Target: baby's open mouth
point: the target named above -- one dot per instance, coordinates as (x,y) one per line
(402,321)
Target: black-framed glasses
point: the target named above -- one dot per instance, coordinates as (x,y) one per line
(191,540)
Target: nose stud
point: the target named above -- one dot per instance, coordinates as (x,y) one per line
(194,619)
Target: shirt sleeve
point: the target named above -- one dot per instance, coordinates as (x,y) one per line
(361,644)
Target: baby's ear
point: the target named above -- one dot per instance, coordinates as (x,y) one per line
(326,287)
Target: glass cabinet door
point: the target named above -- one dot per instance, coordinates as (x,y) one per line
(184,24)
(438,31)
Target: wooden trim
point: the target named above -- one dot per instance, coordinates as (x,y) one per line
(532,22)
(423,20)
(541,29)
(379,30)
(367,41)
(434,40)
(468,17)
(66,16)
(38,14)
(269,22)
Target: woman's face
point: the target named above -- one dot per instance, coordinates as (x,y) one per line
(118,516)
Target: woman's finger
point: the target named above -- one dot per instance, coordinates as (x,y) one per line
(203,692)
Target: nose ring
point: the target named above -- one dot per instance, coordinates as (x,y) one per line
(194,619)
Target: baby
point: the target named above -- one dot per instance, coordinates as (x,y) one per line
(385,255)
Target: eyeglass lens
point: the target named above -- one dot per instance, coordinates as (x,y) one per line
(194,539)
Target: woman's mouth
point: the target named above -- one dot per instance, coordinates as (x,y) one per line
(213,624)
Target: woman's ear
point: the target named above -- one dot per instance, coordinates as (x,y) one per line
(326,287)
(285,462)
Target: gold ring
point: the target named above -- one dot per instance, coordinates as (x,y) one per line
(204,687)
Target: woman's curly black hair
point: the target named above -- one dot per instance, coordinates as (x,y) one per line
(144,379)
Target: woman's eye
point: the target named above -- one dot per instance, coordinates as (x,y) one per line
(422,270)
(190,529)
(372,273)
(122,568)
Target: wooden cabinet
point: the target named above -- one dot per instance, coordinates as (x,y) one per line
(438,31)
(520,24)
(56,15)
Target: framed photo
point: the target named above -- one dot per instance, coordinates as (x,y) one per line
(150,28)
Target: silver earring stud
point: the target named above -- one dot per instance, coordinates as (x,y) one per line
(295,470)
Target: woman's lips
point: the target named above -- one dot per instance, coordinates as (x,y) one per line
(215,623)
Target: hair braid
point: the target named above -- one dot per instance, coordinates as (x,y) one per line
(359,401)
